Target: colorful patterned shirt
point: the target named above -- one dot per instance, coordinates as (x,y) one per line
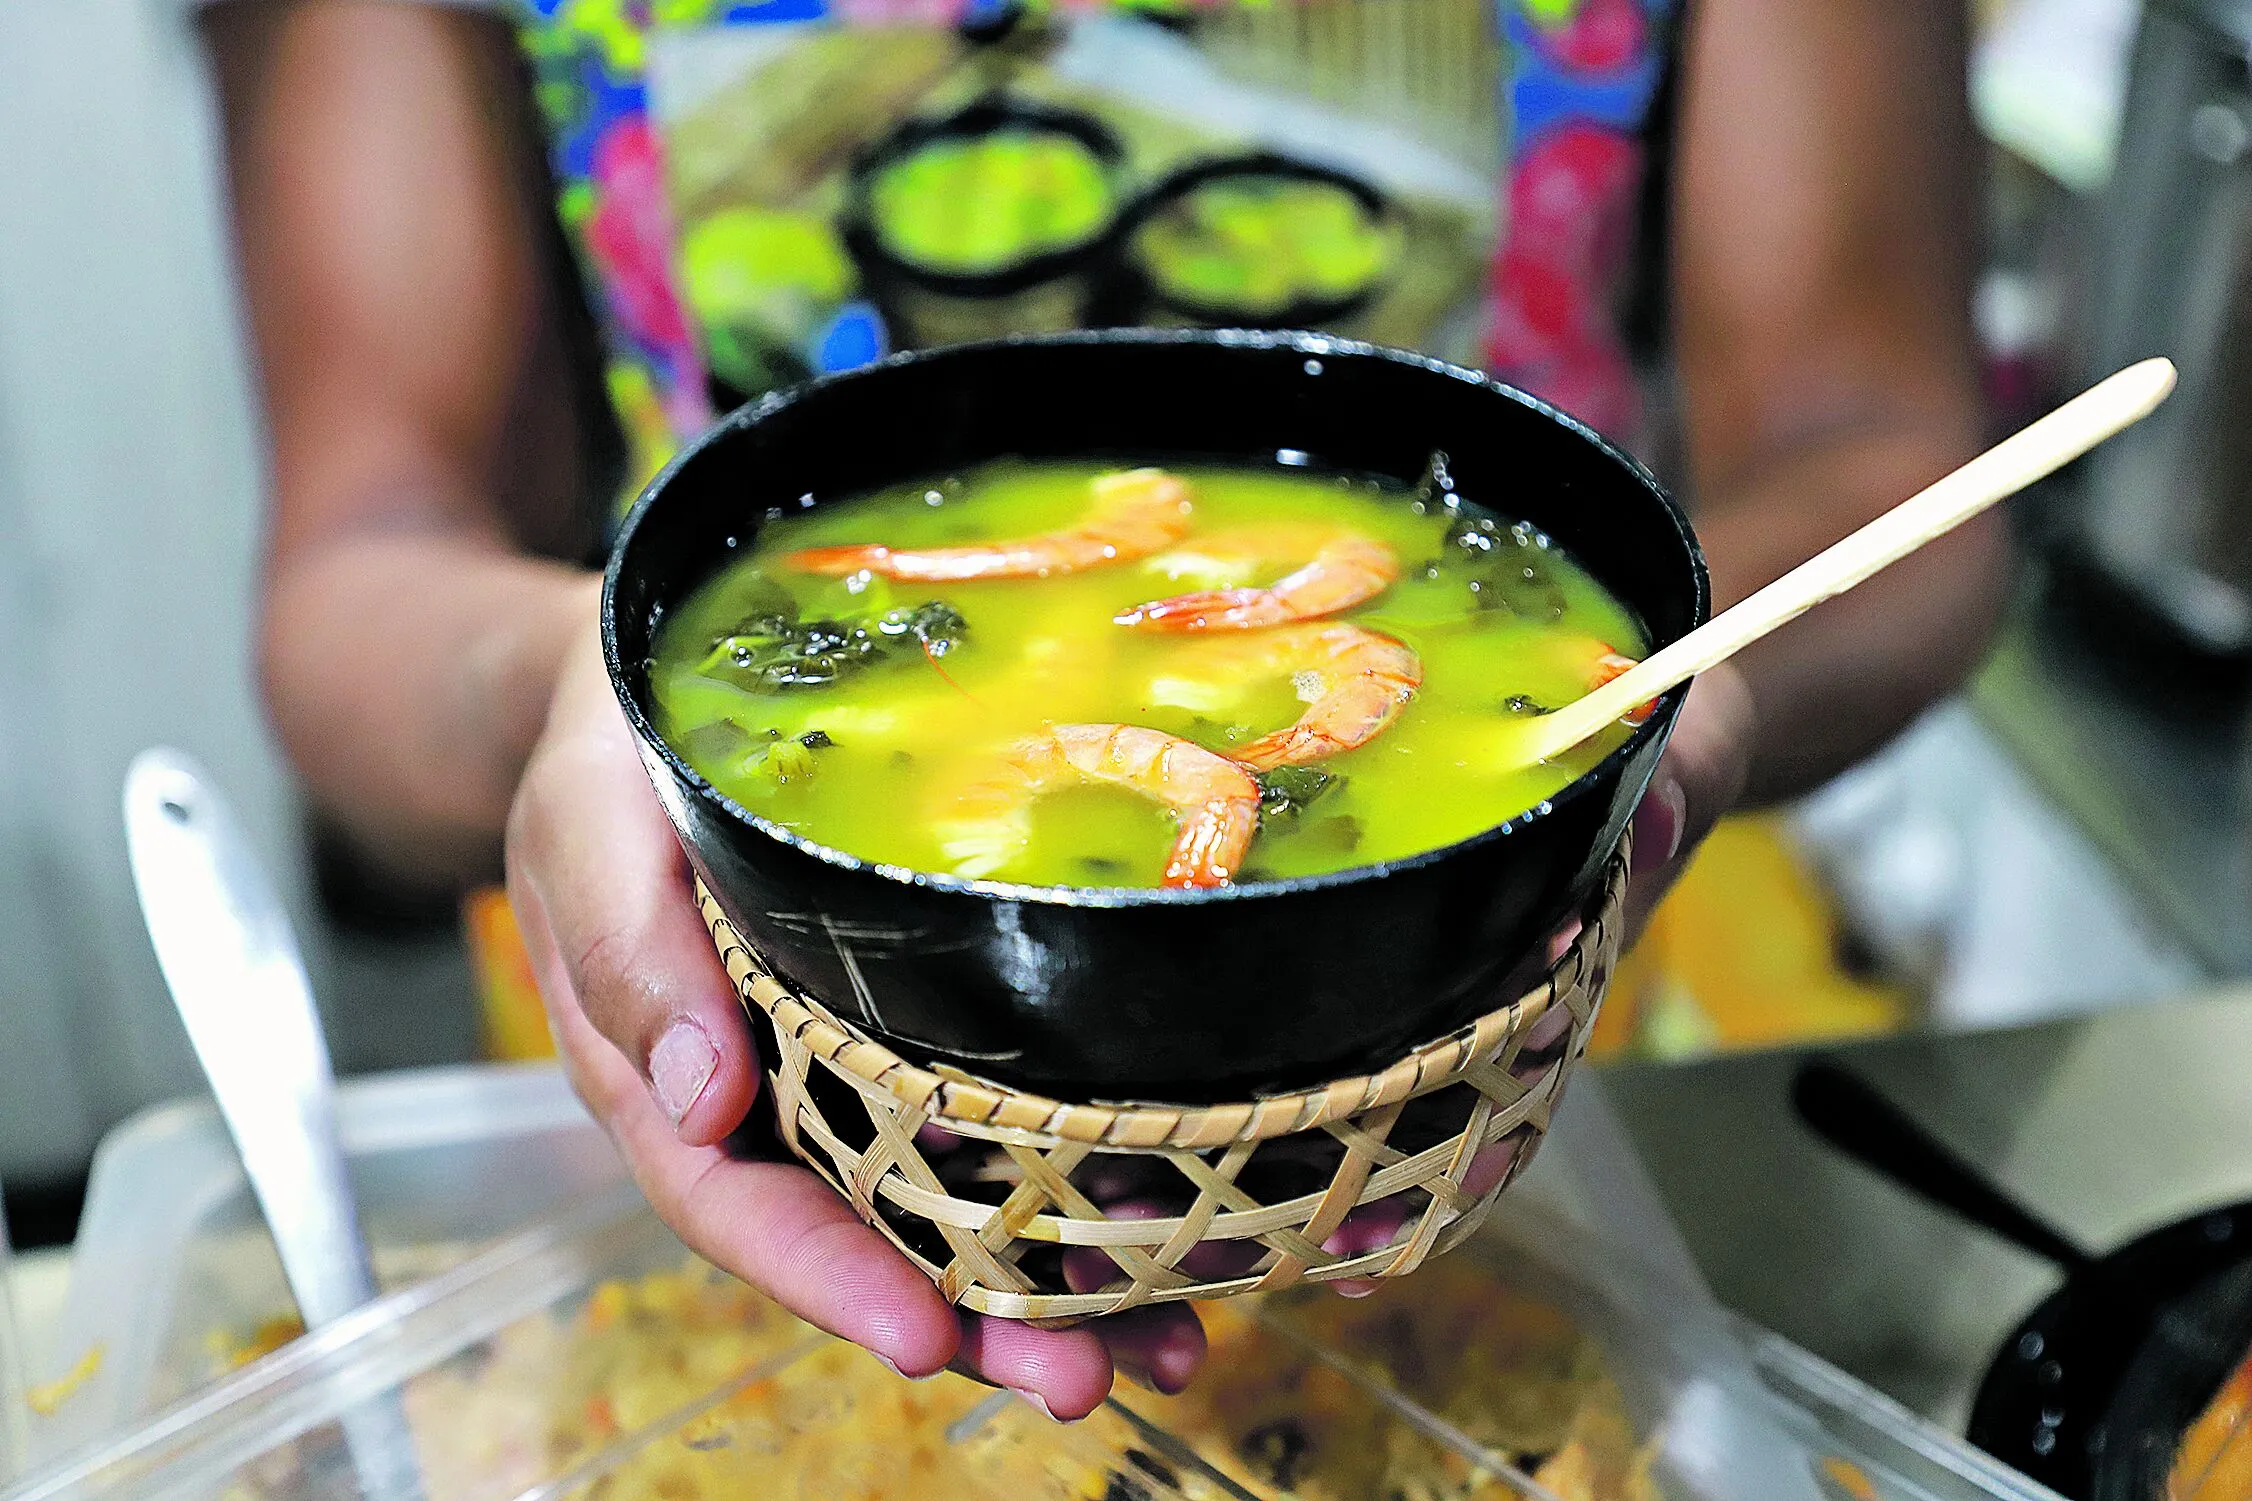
(759,190)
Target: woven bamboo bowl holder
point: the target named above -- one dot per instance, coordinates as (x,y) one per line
(856,1112)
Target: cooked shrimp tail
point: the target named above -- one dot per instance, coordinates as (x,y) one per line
(1357,682)
(1346,572)
(1136,512)
(1609,664)
(1214,802)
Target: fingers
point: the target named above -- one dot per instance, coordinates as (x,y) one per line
(649,1030)
(784,1231)
(1699,779)
(1371,1227)
(1065,1373)
(1087,1268)
(1547,1030)
(594,866)
(1161,1348)
(774,1225)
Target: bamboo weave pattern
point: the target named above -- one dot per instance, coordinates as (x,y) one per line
(1032,1157)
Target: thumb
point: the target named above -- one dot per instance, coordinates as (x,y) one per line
(602,891)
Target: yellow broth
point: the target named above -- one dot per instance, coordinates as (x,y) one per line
(875,761)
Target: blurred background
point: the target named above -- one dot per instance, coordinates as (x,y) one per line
(2029,919)
(130,504)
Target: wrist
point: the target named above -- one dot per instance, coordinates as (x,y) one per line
(408,678)
(510,665)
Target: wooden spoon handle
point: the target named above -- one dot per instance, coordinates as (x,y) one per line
(2035,451)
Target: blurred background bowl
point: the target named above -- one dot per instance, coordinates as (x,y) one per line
(1034,288)
(1162,295)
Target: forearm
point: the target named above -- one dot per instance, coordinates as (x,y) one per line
(408,676)
(1837,683)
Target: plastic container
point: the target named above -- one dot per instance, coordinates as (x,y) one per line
(171,1251)
(499,1363)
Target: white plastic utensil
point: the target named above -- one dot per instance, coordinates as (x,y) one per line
(2035,451)
(231,961)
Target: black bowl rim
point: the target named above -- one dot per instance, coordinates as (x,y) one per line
(1186,179)
(985,115)
(1312,345)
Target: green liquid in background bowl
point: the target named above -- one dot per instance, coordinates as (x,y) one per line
(974,205)
(865,761)
(1260,245)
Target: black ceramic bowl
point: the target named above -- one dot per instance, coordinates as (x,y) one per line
(1153,994)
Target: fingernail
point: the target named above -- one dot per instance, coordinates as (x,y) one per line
(1038,1401)
(1151,1381)
(1659,822)
(680,1065)
(1146,1377)
(902,1375)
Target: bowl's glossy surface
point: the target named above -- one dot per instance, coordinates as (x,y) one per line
(1111,994)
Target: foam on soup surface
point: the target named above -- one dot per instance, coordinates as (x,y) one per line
(1071,675)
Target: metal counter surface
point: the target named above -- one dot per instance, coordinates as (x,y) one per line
(2142,747)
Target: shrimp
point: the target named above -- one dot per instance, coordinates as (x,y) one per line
(1215,801)
(1609,664)
(1344,573)
(1354,682)
(1136,512)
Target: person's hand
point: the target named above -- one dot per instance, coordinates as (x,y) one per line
(1698,780)
(655,1043)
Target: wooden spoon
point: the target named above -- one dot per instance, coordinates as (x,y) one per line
(2009,466)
